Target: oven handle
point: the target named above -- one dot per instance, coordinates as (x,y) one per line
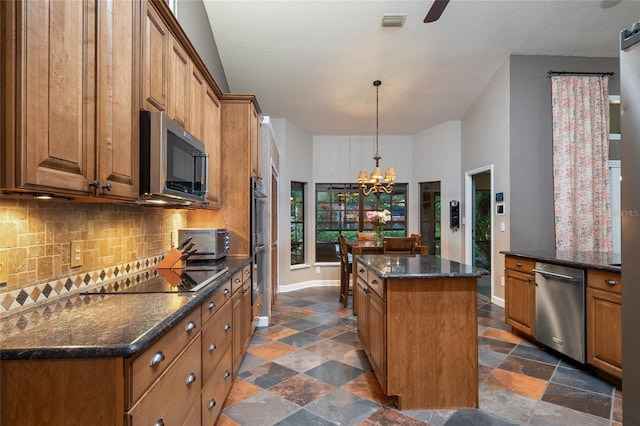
(556,275)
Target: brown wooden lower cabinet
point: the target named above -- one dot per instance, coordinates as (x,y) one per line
(420,336)
(520,296)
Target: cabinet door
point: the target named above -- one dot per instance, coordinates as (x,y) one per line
(117,136)
(520,311)
(198,91)
(237,344)
(179,83)
(363,316)
(57,84)
(604,331)
(377,338)
(256,143)
(155,71)
(211,138)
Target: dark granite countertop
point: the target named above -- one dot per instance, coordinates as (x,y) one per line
(103,325)
(415,266)
(606,261)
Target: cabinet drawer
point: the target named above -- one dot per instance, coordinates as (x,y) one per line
(377,285)
(605,280)
(193,418)
(363,273)
(519,264)
(236,281)
(216,389)
(148,366)
(246,273)
(216,339)
(215,301)
(172,396)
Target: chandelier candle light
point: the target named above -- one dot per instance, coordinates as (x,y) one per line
(375,183)
(378,219)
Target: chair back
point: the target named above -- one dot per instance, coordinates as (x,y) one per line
(398,245)
(417,237)
(344,252)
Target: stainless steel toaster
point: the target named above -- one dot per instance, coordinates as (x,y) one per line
(210,243)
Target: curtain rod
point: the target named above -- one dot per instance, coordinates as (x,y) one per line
(550,73)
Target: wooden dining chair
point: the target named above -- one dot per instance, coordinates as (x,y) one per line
(398,245)
(346,267)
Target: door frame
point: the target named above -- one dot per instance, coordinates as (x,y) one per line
(468,215)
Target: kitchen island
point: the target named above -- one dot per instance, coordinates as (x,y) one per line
(417,321)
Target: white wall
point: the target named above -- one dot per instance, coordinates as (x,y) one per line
(485,141)
(436,157)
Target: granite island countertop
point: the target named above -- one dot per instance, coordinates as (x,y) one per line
(415,266)
(102,325)
(606,261)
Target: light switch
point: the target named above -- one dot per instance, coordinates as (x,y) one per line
(76,253)
(503,227)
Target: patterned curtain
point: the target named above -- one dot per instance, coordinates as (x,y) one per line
(582,200)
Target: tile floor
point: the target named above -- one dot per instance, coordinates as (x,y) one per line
(308,368)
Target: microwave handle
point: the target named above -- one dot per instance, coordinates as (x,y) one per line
(206,174)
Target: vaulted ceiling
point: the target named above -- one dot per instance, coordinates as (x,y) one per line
(313,62)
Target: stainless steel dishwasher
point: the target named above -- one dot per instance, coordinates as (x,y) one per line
(560,309)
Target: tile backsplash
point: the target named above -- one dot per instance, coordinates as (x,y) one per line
(38,235)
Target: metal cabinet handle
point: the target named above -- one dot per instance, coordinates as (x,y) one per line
(211,305)
(237,280)
(159,422)
(212,404)
(366,290)
(94,184)
(107,187)
(212,347)
(519,264)
(157,359)
(190,326)
(361,270)
(226,291)
(374,282)
(610,282)
(191,378)
(227,327)
(226,375)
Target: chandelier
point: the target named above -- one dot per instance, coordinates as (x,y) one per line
(377,183)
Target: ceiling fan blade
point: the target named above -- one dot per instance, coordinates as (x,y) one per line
(436,10)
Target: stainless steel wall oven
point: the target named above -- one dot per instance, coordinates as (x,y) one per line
(259,235)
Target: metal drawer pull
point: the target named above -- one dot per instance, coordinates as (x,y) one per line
(211,305)
(611,282)
(160,422)
(212,404)
(226,291)
(157,358)
(237,280)
(519,264)
(212,347)
(226,375)
(191,378)
(555,275)
(374,282)
(227,327)
(190,326)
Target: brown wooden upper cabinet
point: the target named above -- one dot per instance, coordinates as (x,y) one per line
(69,97)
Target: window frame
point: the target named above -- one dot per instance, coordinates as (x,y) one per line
(297,223)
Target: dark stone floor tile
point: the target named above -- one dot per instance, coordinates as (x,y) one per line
(535,353)
(349,323)
(387,416)
(343,408)
(545,414)
(304,417)
(301,340)
(495,345)
(528,367)
(581,380)
(300,303)
(577,399)
(490,314)
(302,389)
(349,338)
(267,375)
(325,331)
(502,326)
(476,418)
(301,324)
(335,373)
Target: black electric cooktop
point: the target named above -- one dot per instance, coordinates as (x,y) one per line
(190,279)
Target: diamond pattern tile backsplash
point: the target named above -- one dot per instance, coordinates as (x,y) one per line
(119,240)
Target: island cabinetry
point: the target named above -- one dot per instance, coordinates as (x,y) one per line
(604,321)
(520,296)
(69,103)
(417,333)
(242,315)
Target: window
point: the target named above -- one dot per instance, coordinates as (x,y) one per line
(430,208)
(341,209)
(297,223)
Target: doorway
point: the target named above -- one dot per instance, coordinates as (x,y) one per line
(479,230)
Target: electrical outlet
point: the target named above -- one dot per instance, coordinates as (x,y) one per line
(4,266)
(76,253)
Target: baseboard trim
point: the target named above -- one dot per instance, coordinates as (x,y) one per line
(497,301)
(307,284)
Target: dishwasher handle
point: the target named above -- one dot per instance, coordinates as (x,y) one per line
(556,275)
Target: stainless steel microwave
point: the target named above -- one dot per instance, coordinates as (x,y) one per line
(173,162)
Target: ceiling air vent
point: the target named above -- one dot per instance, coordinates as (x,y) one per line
(393,20)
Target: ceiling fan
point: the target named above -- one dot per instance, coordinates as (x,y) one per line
(436,10)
